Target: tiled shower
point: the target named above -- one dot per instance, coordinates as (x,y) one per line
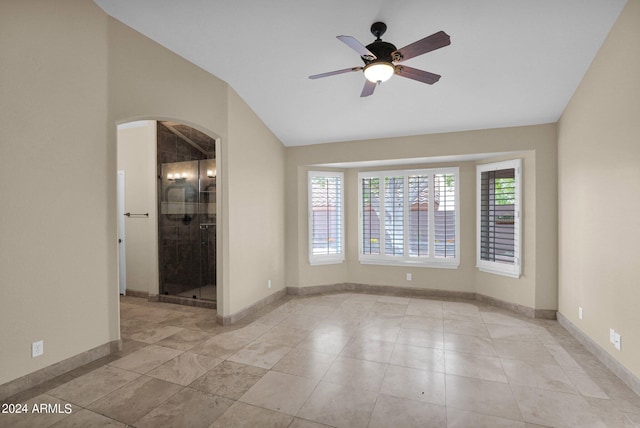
(187,212)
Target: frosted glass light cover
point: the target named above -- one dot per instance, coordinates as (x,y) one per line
(378,72)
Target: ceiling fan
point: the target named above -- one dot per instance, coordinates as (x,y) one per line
(381,58)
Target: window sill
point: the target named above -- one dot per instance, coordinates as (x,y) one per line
(498,272)
(326,262)
(404,263)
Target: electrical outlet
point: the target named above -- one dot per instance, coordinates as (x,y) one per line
(612,335)
(37,348)
(579,312)
(409,277)
(617,341)
(269,284)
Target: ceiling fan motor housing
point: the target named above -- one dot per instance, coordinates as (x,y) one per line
(382,50)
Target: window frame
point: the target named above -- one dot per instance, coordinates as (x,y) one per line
(325,259)
(506,269)
(405,260)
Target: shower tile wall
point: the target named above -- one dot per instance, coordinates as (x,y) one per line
(179,265)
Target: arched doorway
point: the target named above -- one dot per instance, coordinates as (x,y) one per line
(172,212)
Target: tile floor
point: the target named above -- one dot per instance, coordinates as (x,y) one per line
(339,360)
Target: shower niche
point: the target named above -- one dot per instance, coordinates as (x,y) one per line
(187,214)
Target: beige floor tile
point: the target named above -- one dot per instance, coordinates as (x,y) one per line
(328,343)
(260,354)
(537,375)
(457,418)
(303,423)
(394,299)
(252,331)
(512,332)
(424,338)
(562,357)
(86,418)
(400,412)
(146,359)
(423,323)
(524,351)
(285,336)
(323,310)
(134,400)
(366,349)
(500,318)
(339,406)
(552,379)
(221,346)
(229,379)
(414,384)
(633,418)
(305,363)
(301,321)
(482,396)
(93,385)
(281,392)
(425,308)
(469,344)
(241,415)
(418,357)
(155,334)
(470,328)
(185,368)
(187,408)
(476,366)
(184,339)
(460,308)
(389,308)
(356,373)
(555,409)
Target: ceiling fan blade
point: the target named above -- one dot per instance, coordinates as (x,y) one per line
(333,73)
(430,43)
(354,44)
(368,89)
(415,74)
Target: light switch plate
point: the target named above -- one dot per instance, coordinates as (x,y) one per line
(618,341)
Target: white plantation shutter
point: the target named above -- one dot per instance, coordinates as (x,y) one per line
(409,217)
(326,231)
(498,216)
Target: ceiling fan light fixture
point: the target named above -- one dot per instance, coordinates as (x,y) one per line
(378,72)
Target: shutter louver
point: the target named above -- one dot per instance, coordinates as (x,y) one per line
(325,220)
(497,216)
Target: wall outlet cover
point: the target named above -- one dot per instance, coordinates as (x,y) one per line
(618,341)
(37,348)
(580,312)
(409,277)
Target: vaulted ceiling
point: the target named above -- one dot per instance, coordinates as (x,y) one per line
(510,63)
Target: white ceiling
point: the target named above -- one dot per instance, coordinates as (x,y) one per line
(510,62)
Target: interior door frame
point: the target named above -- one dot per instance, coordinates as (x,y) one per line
(122,256)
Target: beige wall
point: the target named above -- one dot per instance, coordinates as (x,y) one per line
(57,234)
(137,146)
(75,74)
(536,145)
(256,201)
(599,164)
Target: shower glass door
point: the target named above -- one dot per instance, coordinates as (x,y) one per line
(187,230)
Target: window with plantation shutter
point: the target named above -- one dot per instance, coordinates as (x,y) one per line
(326,229)
(498,218)
(409,217)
